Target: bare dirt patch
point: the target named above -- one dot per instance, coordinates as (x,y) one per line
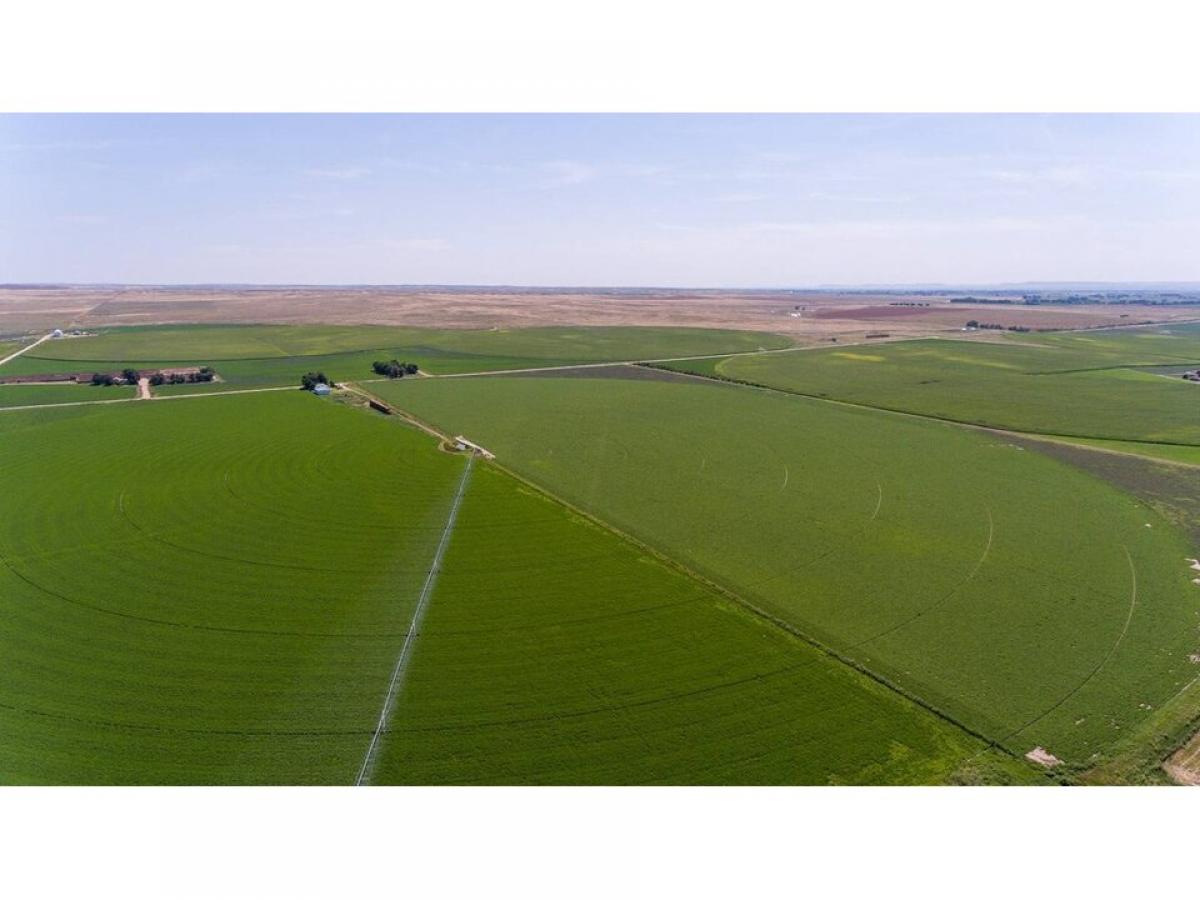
(1184,764)
(870,312)
(816,315)
(1043,757)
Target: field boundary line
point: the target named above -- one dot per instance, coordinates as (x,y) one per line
(929,417)
(413,627)
(735,598)
(942,599)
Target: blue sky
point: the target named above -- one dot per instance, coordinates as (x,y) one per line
(702,200)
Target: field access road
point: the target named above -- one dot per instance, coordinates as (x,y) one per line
(27,347)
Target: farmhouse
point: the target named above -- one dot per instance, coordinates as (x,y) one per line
(321,389)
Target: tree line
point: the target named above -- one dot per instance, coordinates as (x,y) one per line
(131,376)
(394,368)
(976,324)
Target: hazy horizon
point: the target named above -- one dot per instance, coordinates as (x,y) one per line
(740,202)
(1132,286)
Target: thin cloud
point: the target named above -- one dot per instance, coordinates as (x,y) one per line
(741,197)
(408,245)
(567,172)
(1059,176)
(868,228)
(83,219)
(344,173)
(50,146)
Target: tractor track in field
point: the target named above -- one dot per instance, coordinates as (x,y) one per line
(195,626)
(942,599)
(175,729)
(1100,665)
(184,548)
(398,671)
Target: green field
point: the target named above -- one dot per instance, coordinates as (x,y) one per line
(936,556)
(7,347)
(215,342)
(1068,387)
(207,591)
(40,394)
(553,652)
(215,592)
(269,355)
(1123,346)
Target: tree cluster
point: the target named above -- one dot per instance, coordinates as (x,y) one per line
(310,380)
(394,368)
(205,374)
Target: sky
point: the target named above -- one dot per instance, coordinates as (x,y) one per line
(599,200)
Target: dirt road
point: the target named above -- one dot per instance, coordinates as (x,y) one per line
(26,348)
(143,392)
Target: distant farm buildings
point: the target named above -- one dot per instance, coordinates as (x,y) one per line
(57,332)
(321,389)
(1192,375)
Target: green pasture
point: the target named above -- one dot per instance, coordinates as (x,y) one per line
(1065,390)
(993,582)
